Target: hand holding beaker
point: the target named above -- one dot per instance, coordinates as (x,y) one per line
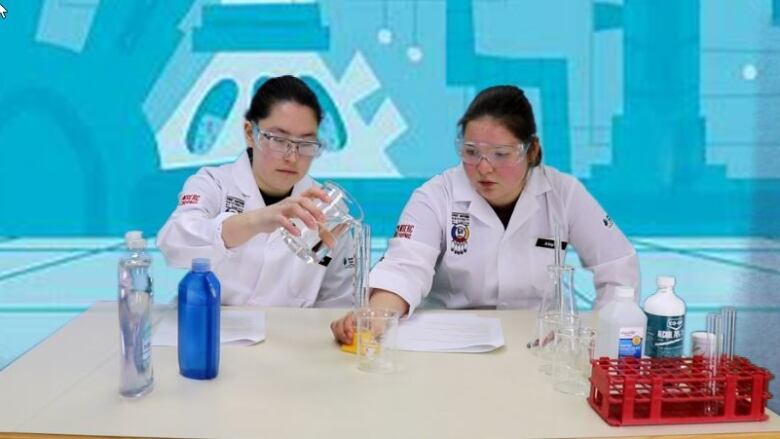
(340,213)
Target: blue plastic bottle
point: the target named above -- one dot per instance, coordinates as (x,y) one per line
(199,300)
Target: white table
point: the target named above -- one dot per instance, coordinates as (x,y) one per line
(299,384)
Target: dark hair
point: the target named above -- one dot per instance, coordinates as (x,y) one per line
(282,89)
(508,105)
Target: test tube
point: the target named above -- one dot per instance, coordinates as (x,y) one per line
(558,263)
(366,262)
(728,315)
(361,234)
(362,263)
(557,243)
(714,326)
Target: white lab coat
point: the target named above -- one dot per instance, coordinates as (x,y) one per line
(452,250)
(262,271)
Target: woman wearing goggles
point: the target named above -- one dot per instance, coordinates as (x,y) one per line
(232,213)
(480,235)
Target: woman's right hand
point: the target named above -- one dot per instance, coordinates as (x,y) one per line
(238,229)
(344,328)
(268,219)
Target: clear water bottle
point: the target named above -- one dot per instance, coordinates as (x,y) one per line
(135,318)
(199,300)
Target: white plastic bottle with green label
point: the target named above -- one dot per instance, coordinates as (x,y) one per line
(665,321)
(621,325)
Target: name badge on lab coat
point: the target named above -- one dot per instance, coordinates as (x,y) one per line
(549,243)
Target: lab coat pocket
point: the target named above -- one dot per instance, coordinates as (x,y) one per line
(541,259)
(466,282)
(305,281)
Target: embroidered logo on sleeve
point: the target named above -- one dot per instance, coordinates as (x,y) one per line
(460,233)
(234,204)
(189,199)
(608,223)
(404,231)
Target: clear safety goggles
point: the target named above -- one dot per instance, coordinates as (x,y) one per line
(284,145)
(498,156)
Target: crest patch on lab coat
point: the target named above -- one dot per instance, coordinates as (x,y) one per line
(234,204)
(608,223)
(460,233)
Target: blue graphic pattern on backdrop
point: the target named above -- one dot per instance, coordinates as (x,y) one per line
(670,130)
(466,68)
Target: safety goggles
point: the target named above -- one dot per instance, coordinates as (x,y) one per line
(284,145)
(499,156)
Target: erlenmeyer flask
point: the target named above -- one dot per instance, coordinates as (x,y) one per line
(557,310)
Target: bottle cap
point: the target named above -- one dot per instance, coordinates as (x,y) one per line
(665,281)
(201,265)
(134,240)
(624,292)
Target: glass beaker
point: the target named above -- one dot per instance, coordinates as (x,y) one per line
(341,214)
(377,331)
(557,310)
(573,352)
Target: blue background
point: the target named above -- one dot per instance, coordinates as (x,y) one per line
(663,108)
(666,109)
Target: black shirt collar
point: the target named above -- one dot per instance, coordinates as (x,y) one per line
(267,199)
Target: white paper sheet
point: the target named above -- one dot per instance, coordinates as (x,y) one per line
(448,332)
(239,327)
